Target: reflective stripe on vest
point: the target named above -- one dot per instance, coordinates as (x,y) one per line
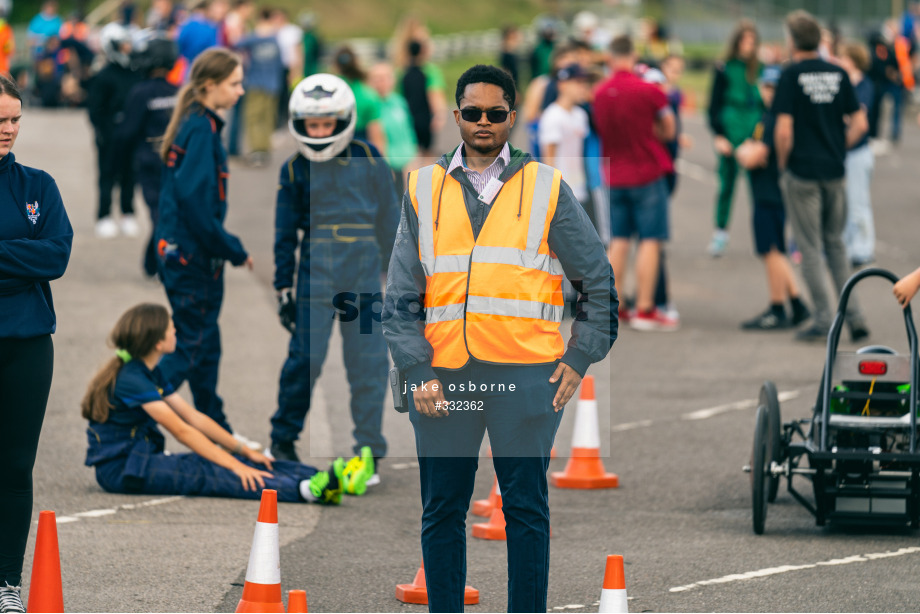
(497,297)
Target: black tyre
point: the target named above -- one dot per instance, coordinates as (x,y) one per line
(760,469)
(770,399)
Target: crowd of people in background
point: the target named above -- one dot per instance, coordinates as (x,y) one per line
(402,106)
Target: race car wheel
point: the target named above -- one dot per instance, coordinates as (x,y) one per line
(770,399)
(760,469)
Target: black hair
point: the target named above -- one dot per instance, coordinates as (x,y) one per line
(481,73)
(347,64)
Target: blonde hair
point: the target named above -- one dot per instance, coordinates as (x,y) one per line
(213,65)
(137,332)
(858,54)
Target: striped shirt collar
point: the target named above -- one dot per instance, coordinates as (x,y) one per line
(479,180)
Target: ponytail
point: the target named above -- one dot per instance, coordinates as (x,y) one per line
(185,99)
(96,404)
(136,334)
(213,65)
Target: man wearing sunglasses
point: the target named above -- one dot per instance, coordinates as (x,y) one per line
(472,316)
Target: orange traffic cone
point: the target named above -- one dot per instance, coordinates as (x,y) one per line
(45,591)
(613,594)
(297,601)
(262,590)
(417,592)
(495,527)
(484,507)
(585,469)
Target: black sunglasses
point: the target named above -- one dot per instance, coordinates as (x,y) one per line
(495,116)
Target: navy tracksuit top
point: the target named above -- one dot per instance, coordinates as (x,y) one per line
(193,201)
(148,109)
(35,241)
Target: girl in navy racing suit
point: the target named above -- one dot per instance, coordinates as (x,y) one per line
(129,399)
(192,243)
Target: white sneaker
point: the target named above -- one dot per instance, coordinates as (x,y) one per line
(246,441)
(129,226)
(373,480)
(718,244)
(106,228)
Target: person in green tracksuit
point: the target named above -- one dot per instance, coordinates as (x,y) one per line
(735,108)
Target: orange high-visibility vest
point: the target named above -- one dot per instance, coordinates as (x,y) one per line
(498,297)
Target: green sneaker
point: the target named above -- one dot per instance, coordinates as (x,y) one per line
(358,471)
(328,488)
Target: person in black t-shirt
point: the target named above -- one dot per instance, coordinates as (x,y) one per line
(758,156)
(817,117)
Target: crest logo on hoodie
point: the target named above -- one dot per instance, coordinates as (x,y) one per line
(33,211)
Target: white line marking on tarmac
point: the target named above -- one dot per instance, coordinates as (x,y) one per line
(696,172)
(400,466)
(703,414)
(628,426)
(109,511)
(772,571)
(709,412)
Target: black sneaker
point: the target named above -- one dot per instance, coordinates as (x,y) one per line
(284,450)
(10,599)
(799,315)
(812,334)
(768,320)
(858,333)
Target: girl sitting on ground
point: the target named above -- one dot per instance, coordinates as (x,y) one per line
(129,398)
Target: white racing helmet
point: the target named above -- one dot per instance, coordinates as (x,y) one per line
(111,39)
(322,95)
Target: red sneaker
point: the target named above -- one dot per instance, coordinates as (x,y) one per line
(655,320)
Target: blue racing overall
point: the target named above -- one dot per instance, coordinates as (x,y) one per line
(127,450)
(147,112)
(192,245)
(346,211)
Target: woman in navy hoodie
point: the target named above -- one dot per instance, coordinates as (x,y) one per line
(35,238)
(192,242)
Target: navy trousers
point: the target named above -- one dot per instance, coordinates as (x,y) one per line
(342,286)
(522,425)
(195,293)
(150,178)
(192,475)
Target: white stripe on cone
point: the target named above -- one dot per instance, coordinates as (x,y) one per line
(613,600)
(264,558)
(586,433)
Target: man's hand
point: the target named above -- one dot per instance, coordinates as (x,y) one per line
(752,154)
(567,387)
(287,309)
(429,399)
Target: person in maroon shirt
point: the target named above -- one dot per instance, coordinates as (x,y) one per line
(634,120)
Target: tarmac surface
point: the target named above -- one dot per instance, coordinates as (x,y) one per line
(677,415)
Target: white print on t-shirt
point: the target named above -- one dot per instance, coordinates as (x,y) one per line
(820,87)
